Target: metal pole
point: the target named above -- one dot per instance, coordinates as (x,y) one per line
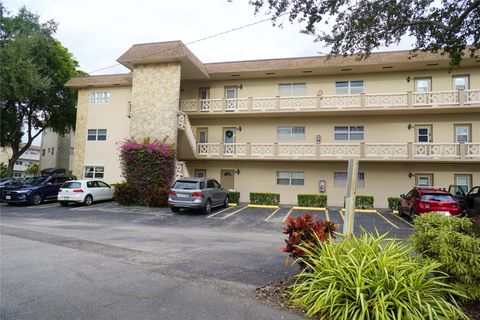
(348,223)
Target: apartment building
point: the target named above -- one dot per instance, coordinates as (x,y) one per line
(289,125)
(29,157)
(57,150)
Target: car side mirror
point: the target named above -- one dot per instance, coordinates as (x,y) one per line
(402,196)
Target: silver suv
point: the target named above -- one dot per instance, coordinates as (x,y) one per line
(197,193)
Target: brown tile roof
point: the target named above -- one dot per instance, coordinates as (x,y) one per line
(319,62)
(124,79)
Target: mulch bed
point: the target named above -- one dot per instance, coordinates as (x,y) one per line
(274,295)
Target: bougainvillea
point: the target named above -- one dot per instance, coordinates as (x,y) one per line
(147,165)
(304,231)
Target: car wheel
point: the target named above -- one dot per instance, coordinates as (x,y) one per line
(412,214)
(175,209)
(400,211)
(88,200)
(225,203)
(36,199)
(64,203)
(208,207)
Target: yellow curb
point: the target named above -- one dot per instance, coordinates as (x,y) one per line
(233,204)
(395,211)
(363,210)
(310,208)
(262,206)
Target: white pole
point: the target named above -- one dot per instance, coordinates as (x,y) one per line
(348,222)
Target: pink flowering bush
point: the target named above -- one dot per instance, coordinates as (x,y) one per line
(147,165)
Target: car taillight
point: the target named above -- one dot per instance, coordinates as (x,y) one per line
(77,190)
(171,193)
(197,195)
(424,204)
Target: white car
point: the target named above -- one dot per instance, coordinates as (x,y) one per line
(84,191)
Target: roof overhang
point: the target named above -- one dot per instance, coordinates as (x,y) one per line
(109,80)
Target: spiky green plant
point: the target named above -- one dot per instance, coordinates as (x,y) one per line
(452,242)
(372,277)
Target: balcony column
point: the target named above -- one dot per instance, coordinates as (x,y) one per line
(277,102)
(461,97)
(409,99)
(224,104)
(362,100)
(409,150)
(462,148)
(362,149)
(250,103)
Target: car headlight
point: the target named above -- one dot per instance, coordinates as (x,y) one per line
(21,191)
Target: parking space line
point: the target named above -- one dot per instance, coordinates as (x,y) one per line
(218,212)
(44,206)
(327,216)
(231,214)
(394,225)
(287,215)
(403,220)
(272,214)
(341,214)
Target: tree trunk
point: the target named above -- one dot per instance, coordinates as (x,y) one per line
(11,163)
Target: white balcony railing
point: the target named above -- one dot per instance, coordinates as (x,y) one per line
(393,151)
(327,102)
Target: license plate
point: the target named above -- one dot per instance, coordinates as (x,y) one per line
(66,198)
(443,212)
(8,197)
(182,195)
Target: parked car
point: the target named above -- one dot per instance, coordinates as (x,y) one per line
(84,191)
(7,182)
(35,190)
(421,200)
(197,193)
(469,200)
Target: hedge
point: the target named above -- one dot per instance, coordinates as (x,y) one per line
(393,203)
(265,198)
(234,197)
(364,202)
(312,200)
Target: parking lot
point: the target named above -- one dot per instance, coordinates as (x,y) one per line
(53,255)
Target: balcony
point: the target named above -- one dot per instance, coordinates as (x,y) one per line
(407,100)
(340,151)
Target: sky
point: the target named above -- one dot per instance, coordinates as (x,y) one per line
(98,32)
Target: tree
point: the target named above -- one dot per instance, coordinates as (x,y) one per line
(3,170)
(356,27)
(34,67)
(33,169)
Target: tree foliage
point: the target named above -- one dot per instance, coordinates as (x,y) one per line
(33,169)
(359,26)
(34,67)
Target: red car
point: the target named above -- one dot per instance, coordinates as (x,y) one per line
(428,199)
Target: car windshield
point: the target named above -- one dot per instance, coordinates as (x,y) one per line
(437,197)
(35,180)
(71,185)
(186,185)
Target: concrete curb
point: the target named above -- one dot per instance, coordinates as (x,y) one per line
(262,206)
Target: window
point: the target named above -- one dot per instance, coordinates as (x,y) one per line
(213,184)
(423,84)
(97,135)
(18,163)
(204,93)
(348,87)
(292,89)
(291,133)
(340,179)
(99,97)
(52,149)
(424,180)
(200,173)
(102,184)
(43,152)
(290,178)
(464,181)
(17,174)
(423,133)
(48,151)
(460,82)
(462,132)
(202,135)
(347,133)
(94,172)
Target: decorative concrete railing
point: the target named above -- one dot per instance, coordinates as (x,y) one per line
(320,151)
(181,170)
(327,102)
(184,124)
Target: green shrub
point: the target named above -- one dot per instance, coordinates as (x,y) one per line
(305,230)
(364,202)
(372,277)
(393,203)
(157,197)
(312,200)
(452,242)
(265,198)
(234,197)
(125,194)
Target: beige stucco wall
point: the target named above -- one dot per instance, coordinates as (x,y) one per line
(385,82)
(377,129)
(382,180)
(49,140)
(155,96)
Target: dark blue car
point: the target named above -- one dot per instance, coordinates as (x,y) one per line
(35,190)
